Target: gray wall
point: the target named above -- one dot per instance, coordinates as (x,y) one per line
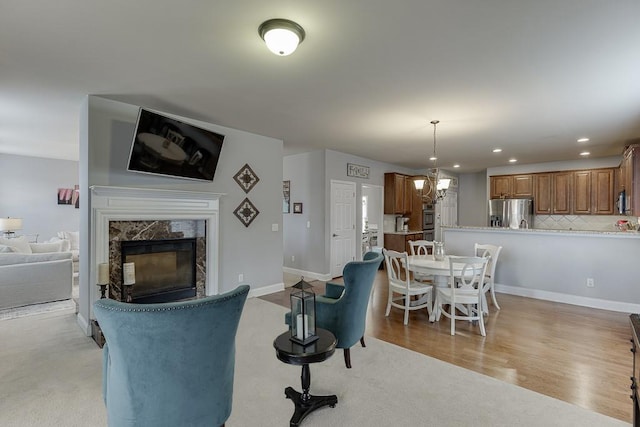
(28,189)
(310,175)
(256,251)
(472,199)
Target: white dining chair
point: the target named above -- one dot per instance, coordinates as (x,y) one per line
(492,252)
(466,288)
(421,247)
(402,287)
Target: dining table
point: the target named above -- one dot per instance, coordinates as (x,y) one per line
(429,266)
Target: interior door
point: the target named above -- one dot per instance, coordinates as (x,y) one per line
(343,225)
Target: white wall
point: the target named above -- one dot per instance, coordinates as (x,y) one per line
(256,251)
(28,189)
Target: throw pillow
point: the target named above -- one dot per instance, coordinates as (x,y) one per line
(65,245)
(4,249)
(39,248)
(73,237)
(18,244)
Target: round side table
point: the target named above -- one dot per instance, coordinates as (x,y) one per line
(292,353)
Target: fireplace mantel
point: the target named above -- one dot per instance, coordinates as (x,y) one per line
(140,204)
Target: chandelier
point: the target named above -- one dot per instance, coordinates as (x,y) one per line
(436,187)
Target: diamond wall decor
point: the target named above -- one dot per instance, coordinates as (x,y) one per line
(246,212)
(246,178)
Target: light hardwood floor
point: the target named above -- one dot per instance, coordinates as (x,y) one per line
(575,354)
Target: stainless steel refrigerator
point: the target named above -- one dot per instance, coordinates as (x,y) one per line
(511,213)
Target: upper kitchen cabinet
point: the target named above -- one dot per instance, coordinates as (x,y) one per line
(552,193)
(511,186)
(587,192)
(561,192)
(398,194)
(542,194)
(603,191)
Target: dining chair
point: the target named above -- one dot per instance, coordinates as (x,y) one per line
(492,252)
(403,287)
(422,247)
(466,282)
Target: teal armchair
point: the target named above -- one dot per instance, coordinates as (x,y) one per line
(170,364)
(343,308)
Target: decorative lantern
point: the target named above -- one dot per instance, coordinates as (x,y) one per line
(303,314)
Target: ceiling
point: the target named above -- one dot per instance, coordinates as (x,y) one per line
(530,77)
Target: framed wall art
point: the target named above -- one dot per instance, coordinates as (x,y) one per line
(297,208)
(286,196)
(357,171)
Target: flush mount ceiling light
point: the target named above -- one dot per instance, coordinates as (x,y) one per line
(585,153)
(583,140)
(497,150)
(281,36)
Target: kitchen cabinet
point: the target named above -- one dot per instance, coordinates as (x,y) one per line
(603,191)
(511,186)
(400,242)
(561,192)
(398,194)
(542,193)
(583,192)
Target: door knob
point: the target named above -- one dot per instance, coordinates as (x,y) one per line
(335,235)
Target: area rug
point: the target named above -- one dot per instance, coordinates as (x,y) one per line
(51,375)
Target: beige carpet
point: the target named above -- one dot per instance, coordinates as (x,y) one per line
(50,375)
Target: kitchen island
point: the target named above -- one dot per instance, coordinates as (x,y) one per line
(554,265)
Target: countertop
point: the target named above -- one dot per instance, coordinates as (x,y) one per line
(404,233)
(622,234)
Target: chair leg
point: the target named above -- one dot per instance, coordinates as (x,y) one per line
(347,358)
(406,310)
(452,310)
(481,321)
(362,342)
(493,296)
(389,303)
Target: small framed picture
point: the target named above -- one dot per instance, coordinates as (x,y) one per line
(297,208)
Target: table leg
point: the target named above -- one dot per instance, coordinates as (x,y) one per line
(304,402)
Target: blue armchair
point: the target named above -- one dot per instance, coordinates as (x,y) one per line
(343,308)
(170,364)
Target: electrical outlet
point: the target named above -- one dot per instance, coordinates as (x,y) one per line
(590,282)
(240,277)
(293,258)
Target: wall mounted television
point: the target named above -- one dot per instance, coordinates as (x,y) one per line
(169,147)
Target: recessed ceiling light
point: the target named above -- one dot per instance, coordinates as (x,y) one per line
(456,165)
(513,160)
(432,158)
(497,150)
(585,153)
(583,140)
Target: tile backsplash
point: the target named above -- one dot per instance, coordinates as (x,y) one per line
(580,222)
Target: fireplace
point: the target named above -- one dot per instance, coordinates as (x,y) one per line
(165,269)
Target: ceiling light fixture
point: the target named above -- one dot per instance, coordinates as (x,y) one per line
(585,153)
(497,150)
(437,187)
(583,140)
(281,36)
(456,165)
(513,160)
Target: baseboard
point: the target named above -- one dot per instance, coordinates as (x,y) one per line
(84,324)
(307,274)
(602,304)
(266,290)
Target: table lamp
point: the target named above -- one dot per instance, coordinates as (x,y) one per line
(9,226)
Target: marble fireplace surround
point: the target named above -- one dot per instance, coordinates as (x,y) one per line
(111,204)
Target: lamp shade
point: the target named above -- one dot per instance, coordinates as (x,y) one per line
(443,184)
(281,36)
(10,224)
(419,183)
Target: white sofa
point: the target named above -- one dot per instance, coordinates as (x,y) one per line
(32,278)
